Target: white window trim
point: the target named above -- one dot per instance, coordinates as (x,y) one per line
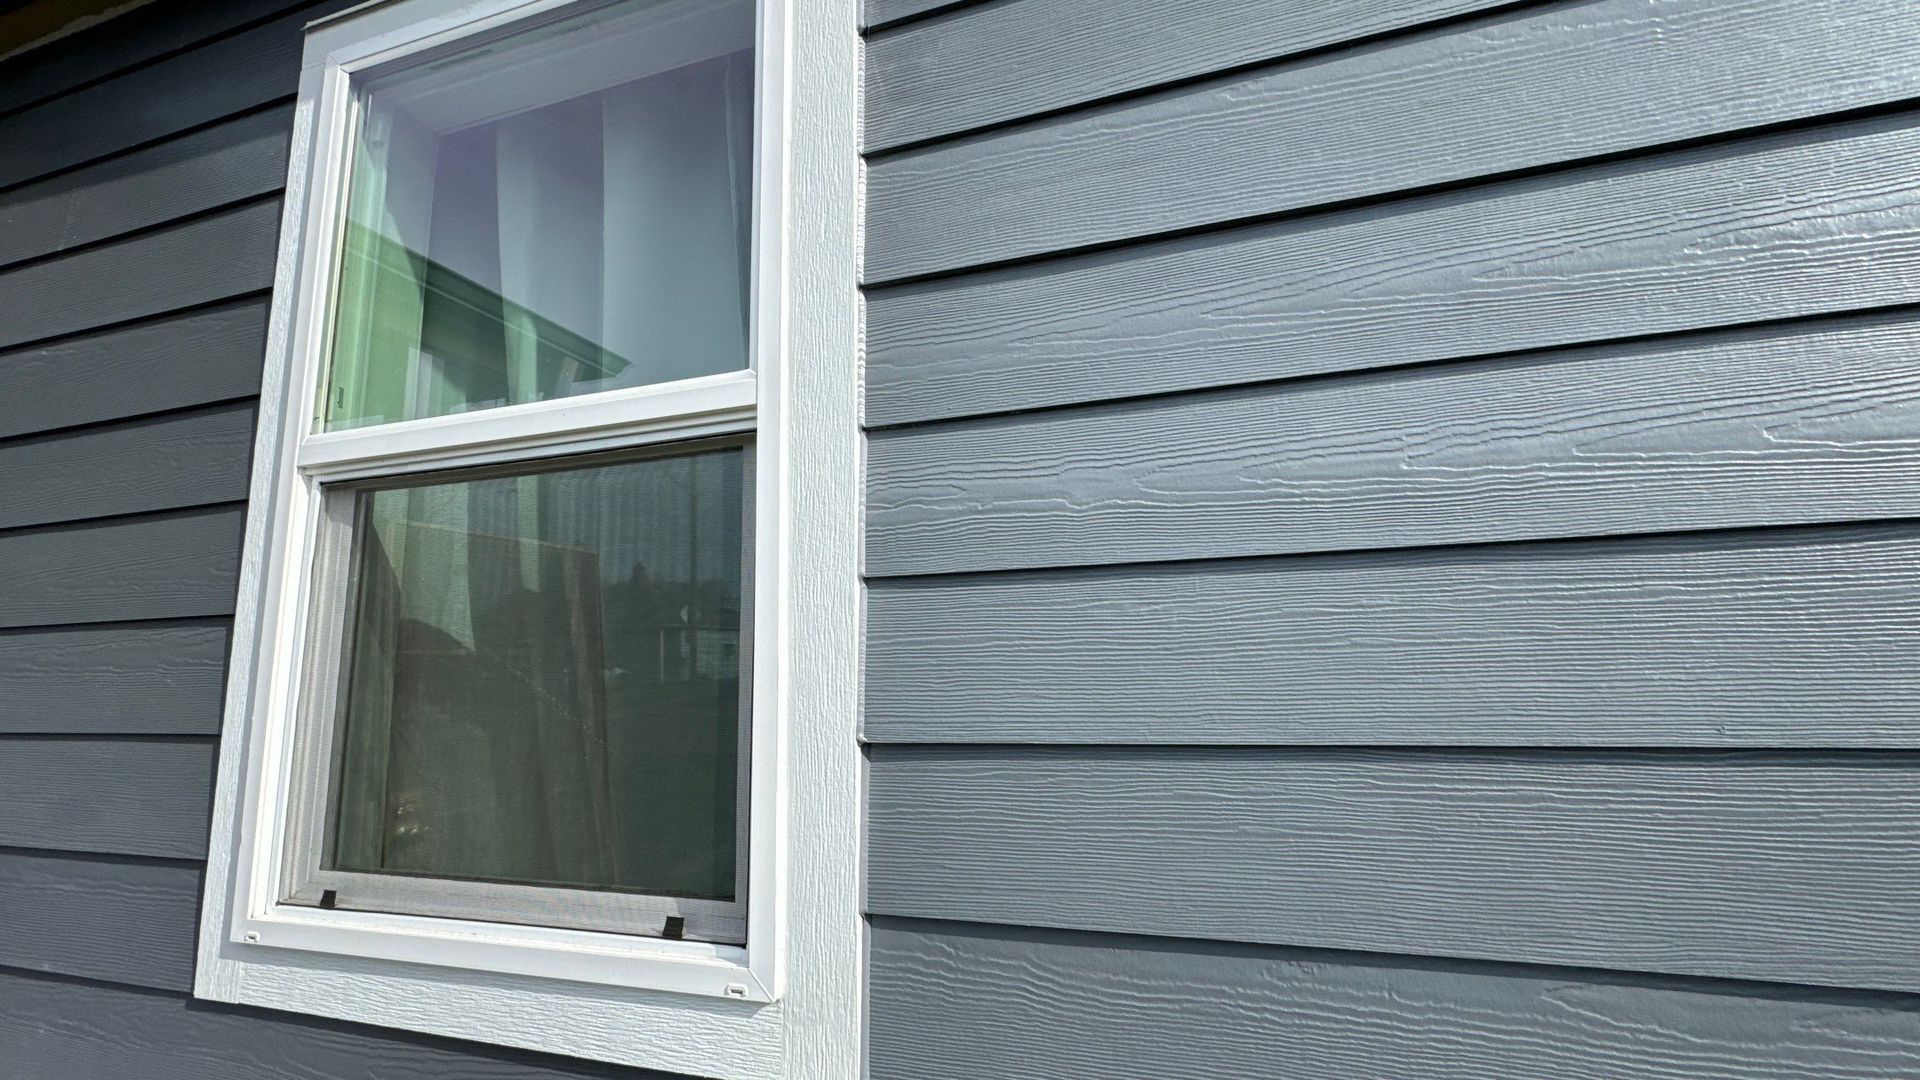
(788,1004)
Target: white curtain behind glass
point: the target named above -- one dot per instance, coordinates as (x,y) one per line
(587,245)
(678,148)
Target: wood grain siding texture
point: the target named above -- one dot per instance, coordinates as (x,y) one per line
(218,257)
(115,796)
(1793,224)
(63,1030)
(235,160)
(183,459)
(1807,423)
(1392,538)
(1536,87)
(1760,865)
(1797,638)
(164,566)
(1094,1007)
(170,362)
(877,13)
(999,62)
(127,679)
(123,920)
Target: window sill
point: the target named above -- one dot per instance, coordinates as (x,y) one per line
(699,1035)
(680,967)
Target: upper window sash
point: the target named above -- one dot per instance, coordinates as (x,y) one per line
(674,31)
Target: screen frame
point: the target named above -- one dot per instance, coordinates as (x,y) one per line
(306,880)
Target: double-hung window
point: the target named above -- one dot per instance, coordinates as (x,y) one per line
(527,680)
(513,700)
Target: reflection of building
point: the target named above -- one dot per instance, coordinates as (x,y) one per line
(677,605)
(474,655)
(465,334)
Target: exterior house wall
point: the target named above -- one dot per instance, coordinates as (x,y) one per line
(139,206)
(1391,539)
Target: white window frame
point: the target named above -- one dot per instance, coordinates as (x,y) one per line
(685,1006)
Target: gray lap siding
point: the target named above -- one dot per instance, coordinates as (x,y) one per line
(1388,540)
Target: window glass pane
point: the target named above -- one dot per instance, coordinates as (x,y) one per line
(544,678)
(560,212)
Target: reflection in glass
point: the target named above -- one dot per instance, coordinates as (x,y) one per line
(544,678)
(562,213)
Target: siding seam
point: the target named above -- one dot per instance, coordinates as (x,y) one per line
(1765,988)
(1369,554)
(1726,140)
(1228,73)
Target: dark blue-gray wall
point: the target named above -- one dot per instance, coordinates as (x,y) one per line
(140,168)
(1393,539)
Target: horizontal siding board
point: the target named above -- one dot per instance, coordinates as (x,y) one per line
(235,160)
(1545,86)
(196,262)
(112,796)
(124,41)
(1000,62)
(62,1030)
(1799,638)
(176,361)
(113,680)
(181,459)
(876,13)
(1813,422)
(123,921)
(1761,865)
(162,567)
(986,1003)
(217,80)
(1703,237)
